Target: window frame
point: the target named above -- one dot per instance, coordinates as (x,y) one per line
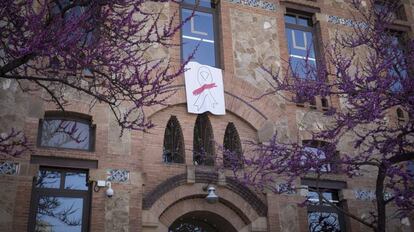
(179,142)
(89,35)
(331,168)
(312,29)
(205,126)
(399,11)
(68,116)
(216,25)
(234,146)
(85,195)
(401,38)
(333,187)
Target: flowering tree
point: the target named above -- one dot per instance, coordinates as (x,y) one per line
(371,76)
(101,49)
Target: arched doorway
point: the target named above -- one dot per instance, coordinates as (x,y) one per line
(201,221)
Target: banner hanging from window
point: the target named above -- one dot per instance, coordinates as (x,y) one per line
(204,89)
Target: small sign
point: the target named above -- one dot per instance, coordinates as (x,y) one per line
(204,89)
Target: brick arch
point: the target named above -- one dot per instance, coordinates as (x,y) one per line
(233,195)
(198,204)
(254,113)
(77,106)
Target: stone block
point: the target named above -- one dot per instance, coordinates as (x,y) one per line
(190,174)
(117,212)
(259,225)
(266,132)
(288,218)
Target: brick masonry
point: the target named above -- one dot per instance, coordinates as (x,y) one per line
(250,33)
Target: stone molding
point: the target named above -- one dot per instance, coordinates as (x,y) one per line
(210,178)
(254,115)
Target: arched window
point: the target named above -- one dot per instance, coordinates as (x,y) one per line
(203,145)
(400,114)
(173,151)
(232,147)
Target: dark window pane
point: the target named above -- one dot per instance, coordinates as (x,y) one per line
(304,21)
(301,46)
(199,31)
(203,144)
(313,196)
(303,68)
(48,179)
(324,102)
(59,214)
(192,226)
(202,3)
(86,14)
(76,181)
(315,153)
(65,134)
(410,167)
(232,147)
(393,8)
(290,19)
(173,142)
(400,113)
(397,71)
(300,43)
(323,222)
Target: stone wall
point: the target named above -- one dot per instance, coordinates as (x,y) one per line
(251,36)
(255,43)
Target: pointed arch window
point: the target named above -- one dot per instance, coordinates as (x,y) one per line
(232,146)
(400,115)
(203,144)
(173,150)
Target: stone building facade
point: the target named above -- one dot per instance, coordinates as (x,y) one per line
(151,194)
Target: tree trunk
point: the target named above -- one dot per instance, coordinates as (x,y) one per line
(379,194)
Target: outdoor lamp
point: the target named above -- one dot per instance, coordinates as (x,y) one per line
(212,196)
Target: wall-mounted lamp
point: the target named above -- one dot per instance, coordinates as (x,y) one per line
(405,221)
(211,196)
(98,184)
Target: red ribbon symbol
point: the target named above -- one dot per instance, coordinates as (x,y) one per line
(203,93)
(204,87)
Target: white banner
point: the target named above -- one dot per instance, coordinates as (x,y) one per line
(204,89)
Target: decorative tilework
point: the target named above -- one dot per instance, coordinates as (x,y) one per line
(285,188)
(368,195)
(387,195)
(256,3)
(117,175)
(9,168)
(345,22)
(364,194)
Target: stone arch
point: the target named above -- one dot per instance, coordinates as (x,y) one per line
(254,114)
(187,198)
(234,197)
(234,187)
